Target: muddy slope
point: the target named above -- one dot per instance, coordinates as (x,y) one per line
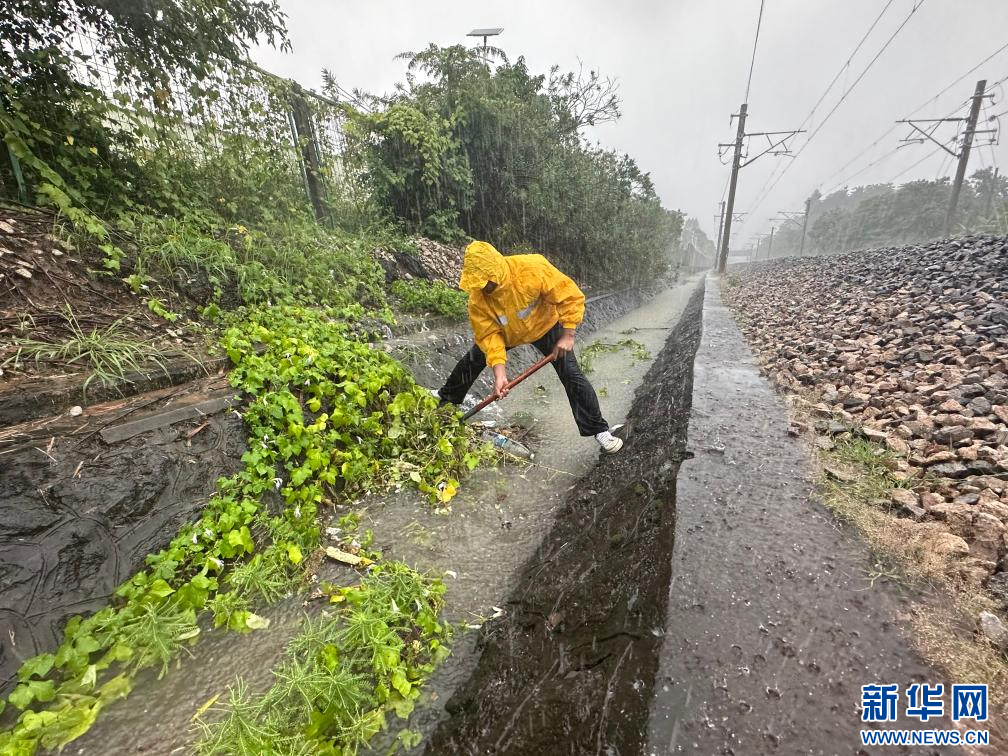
(570,667)
(78,515)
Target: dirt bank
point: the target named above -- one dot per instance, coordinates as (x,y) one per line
(78,514)
(570,667)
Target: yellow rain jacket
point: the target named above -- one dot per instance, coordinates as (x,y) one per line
(530,298)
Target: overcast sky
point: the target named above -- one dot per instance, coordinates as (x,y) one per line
(682,66)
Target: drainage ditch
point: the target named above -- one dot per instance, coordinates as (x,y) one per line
(570,667)
(80,510)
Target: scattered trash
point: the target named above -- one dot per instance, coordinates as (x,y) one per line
(76,411)
(508,445)
(346,557)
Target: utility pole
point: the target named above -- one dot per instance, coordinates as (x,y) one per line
(769,248)
(804,227)
(720,228)
(963,155)
(978,96)
(775,146)
(736,164)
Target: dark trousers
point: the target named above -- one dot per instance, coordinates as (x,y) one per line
(583,400)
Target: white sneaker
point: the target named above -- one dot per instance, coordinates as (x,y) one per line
(610,444)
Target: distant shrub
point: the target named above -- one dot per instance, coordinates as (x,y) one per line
(430,296)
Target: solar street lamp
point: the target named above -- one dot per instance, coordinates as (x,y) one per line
(485,33)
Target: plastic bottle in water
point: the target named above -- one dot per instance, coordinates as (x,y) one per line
(507,445)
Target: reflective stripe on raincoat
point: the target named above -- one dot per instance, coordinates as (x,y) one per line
(530,298)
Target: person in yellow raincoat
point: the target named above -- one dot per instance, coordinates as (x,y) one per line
(523,299)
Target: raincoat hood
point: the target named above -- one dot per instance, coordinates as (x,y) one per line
(482,263)
(531,297)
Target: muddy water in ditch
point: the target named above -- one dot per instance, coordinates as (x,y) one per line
(569,668)
(499,518)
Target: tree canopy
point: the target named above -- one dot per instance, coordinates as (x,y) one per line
(878,215)
(482,146)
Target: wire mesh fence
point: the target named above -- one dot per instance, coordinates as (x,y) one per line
(213,137)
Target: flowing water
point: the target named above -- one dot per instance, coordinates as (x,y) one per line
(499,518)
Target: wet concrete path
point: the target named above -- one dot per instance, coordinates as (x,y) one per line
(773,624)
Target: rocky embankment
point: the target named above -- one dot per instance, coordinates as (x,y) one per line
(430,260)
(907,346)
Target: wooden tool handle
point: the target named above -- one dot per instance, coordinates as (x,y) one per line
(511,384)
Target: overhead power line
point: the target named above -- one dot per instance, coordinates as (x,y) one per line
(916,6)
(752,63)
(910,168)
(914,112)
(872,164)
(829,87)
(847,63)
(892,152)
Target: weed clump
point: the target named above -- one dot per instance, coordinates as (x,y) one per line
(431,296)
(342,674)
(109,353)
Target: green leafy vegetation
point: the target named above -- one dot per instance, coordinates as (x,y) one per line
(431,297)
(329,419)
(343,673)
(296,261)
(587,355)
(497,151)
(187,129)
(78,148)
